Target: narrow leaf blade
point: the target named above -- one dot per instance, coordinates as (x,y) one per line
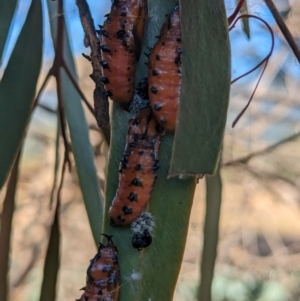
(205,88)
(7,9)
(52,261)
(81,146)
(17,87)
(170,202)
(246,26)
(211,234)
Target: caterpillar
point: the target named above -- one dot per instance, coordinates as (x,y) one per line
(137,172)
(120,43)
(164,72)
(141,229)
(103,274)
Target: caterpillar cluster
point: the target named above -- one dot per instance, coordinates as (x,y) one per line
(103,274)
(164,72)
(137,173)
(120,43)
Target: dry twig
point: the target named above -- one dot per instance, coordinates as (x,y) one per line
(246,159)
(6,225)
(100,99)
(284,29)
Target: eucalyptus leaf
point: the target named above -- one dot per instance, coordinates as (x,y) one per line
(17,87)
(7,9)
(246,26)
(81,146)
(170,202)
(211,234)
(52,261)
(204,90)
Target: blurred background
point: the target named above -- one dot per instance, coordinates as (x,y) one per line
(259,249)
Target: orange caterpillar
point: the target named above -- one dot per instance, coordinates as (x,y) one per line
(164,72)
(103,275)
(120,42)
(137,169)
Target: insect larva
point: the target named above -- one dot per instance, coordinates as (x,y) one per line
(142,229)
(164,72)
(103,274)
(137,173)
(120,43)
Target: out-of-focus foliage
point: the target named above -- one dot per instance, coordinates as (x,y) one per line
(79,136)
(17,88)
(7,9)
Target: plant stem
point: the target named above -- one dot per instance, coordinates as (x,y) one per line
(246,159)
(283,28)
(211,234)
(6,225)
(101,103)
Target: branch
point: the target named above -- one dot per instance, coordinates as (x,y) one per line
(101,103)
(231,18)
(268,179)
(63,171)
(62,120)
(246,159)
(264,61)
(46,108)
(283,28)
(6,225)
(56,164)
(21,277)
(44,84)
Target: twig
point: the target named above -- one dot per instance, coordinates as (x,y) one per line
(283,28)
(266,179)
(105,131)
(63,171)
(231,18)
(21,277)
(62,119)
(6,224)
(44,84)
(100,99)
(271,177)
(56,164)
(264,61)
(60,62)
(246,159)
(46,108)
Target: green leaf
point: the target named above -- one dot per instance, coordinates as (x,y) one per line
(205,88)
(52,261)
(17,87)
(81,146)
(7,9)
(244,10)
(211,234)
(170,203)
